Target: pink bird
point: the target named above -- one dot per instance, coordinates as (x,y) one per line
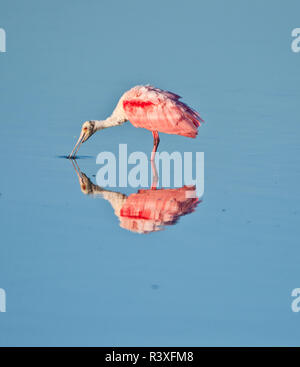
(150,108)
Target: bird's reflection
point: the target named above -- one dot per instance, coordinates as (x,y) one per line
(147,210)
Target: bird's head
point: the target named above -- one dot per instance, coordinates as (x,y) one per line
(85,184)
(87,130)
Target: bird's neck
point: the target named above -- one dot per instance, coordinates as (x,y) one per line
(115,119)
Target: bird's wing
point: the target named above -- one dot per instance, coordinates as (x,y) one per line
(156,109)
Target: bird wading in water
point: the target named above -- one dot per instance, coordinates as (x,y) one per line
(150,108)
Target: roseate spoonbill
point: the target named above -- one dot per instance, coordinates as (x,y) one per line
(150,108)
(146,210)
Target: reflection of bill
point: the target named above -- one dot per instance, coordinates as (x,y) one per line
(2,300)
(147,210)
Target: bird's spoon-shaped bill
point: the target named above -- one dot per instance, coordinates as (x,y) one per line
(77,145)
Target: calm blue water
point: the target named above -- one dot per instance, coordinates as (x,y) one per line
(222,275)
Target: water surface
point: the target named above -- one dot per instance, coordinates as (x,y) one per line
(221,275)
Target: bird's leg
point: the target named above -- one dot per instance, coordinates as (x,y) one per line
(154,175)
(155,144)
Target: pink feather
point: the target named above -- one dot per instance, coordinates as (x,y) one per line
(158,110)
